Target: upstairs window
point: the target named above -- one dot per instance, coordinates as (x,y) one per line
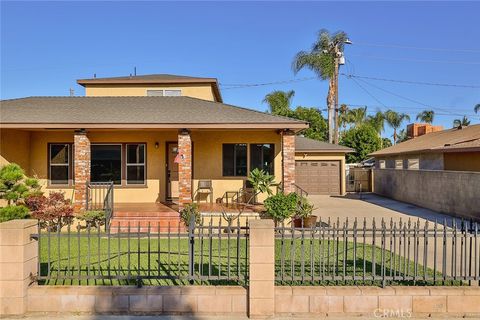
(135,164)
(173,93)
(164,93)
(235,160)
(59,163)
(261,157)
(155,93)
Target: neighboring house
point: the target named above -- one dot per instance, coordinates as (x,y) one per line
(438,170)
(320,166)
(453,149)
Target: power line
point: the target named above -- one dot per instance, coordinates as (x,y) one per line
(415,60)
(412,82)
(249,85)
(415,48)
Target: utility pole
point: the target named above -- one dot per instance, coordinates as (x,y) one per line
(338,55)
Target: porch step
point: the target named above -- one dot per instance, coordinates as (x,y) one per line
(143,214)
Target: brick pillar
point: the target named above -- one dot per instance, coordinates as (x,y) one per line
(261,290)
(81,169)
(18,261)
(288,161)
(184,168)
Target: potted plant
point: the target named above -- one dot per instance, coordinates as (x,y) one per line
(304,217)
(281,206)
(189,210)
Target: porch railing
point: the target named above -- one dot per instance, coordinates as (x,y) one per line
(100,197)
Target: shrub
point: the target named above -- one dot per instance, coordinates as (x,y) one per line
(94,218)
(304,208)
(13,212)
(281,206)
(188,211)
(261,181)
(15,187)
(53,211)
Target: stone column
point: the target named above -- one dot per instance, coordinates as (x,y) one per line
(184,168)
(81,149)
(288,161)
(261,290)
(18,262)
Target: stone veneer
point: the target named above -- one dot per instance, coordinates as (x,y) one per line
(184,168)
(81,169)
(288,161)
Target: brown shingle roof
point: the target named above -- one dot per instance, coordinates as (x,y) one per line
(154,79)
(441,141)
(311,145)
(147,112)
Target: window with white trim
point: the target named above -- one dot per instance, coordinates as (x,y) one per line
(164,93)
(155,93)
(399,164)
(381,164)
(135,163)
(59,163)
(413,164)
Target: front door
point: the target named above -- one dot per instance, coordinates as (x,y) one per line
(172,171)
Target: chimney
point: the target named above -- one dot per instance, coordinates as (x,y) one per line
(419,129)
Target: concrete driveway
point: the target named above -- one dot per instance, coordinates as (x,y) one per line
(371,206)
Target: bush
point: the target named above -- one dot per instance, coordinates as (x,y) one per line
(188,211)
(53,211)
(281,206)
(304,208)
(15,187)
(13,212)
(94,218)
(261,181)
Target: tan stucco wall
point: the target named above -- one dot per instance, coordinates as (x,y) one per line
(327,157)
(207,148)
(200,91)
(462,161)
(15,147)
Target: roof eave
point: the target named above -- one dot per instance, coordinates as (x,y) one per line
(324,151)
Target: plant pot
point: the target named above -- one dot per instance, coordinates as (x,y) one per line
(308,222)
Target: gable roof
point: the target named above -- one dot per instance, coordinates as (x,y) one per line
(450,140)
(311,145)
(155,79)
(134,112)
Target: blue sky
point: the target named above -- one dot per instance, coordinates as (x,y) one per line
(46,46)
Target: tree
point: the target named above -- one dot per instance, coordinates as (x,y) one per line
(15,187)
(318,129)
(386,143)
(464,122)
(363,139)
(395,120)
(279,102)
(426,116)
(357,116)
(402,136)
(321,60)
(476,108)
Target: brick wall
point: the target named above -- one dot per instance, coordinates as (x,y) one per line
(184,168)
(81,169)
(288,161)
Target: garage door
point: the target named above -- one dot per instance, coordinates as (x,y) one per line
(318,177)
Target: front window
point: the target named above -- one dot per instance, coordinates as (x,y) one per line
(59,160)
(235,160)
(106,163)
(135,163)
(261,157)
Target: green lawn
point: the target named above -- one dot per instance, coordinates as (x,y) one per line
(120,261)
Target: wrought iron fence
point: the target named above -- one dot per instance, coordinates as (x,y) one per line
(100,197)
(87,255)
(407,253)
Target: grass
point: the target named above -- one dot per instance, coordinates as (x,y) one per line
(123,261)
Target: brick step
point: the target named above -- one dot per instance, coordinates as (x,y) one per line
(144,223)
(173,231)
(146,218)
(147,214)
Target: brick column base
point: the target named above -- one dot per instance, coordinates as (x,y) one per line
(288,161)
(184,168)
(81,169)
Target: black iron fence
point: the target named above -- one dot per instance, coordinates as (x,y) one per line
(201,253)
(100,197)
(404,253)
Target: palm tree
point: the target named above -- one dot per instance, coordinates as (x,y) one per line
(357,116)
(321,60)
(402,136)
(395,120)
(279,101)
(476,108)
(377,121)
(461,123)
(426,116)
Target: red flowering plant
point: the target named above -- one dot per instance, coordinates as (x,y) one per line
(53,211)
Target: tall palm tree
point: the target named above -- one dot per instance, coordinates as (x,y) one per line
(476,108)
(395,120)
(321,60)
(357,116)
(426,116)
(279,101)
(402,136)
(461,123)
(377,121)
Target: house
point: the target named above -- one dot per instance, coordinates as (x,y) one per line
(453,149)
(156,137)
(438,170)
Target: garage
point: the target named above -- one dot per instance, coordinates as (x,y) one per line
(318,177)
(320,167)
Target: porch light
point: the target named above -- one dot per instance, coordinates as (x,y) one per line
(157,145)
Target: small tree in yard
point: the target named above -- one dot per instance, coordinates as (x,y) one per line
(364,140)
(15,187)
(53,211)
